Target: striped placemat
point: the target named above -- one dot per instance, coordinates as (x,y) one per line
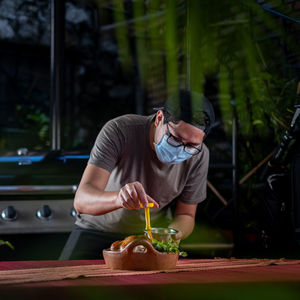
(72,272)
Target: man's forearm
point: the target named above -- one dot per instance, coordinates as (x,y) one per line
(183,223)
(90,200)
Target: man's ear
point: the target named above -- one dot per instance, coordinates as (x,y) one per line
(159,117)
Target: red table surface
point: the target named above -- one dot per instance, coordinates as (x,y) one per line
(271,273)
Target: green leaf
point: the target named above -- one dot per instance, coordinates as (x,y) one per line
(7,244)
(257,122)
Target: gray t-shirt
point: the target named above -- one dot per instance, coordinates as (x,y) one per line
(123,148)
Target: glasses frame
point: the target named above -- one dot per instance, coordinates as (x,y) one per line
(181,143)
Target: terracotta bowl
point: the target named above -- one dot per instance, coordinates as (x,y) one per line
(131,259)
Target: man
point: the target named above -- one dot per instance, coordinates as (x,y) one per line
(159,159)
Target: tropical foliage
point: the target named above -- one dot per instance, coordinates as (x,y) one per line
(249,52)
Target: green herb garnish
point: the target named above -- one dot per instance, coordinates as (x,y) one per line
(170,247)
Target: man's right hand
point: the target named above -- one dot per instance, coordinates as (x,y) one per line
(132,194)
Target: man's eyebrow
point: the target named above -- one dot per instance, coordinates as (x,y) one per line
(181,139)
(188,143)
(175,134)
(194,144)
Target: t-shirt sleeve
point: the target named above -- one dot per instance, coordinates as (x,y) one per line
(108,147)
(195,188)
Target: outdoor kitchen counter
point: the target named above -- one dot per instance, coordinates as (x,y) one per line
(18,278)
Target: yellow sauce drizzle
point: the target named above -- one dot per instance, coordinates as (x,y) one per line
(148,225)
(147,218)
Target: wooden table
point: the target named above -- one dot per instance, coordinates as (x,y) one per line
(208,277)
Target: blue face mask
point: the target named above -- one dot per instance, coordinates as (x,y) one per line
(169,154)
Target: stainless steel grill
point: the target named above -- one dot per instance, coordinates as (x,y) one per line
(38,215)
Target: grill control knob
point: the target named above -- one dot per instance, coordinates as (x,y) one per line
(9,213)
(73,212)
(44,213)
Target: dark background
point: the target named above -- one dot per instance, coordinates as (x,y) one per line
(103,77)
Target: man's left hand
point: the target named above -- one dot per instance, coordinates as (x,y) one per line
(178,237)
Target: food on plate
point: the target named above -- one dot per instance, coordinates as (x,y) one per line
(120,245)
(162,246)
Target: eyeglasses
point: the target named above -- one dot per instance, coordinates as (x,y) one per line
(177,142)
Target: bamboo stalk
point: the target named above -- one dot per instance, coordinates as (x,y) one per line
(214,190)
(250,173)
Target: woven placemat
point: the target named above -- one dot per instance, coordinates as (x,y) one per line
(73,272)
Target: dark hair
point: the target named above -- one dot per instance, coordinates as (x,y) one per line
(190,107)
(168,117)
